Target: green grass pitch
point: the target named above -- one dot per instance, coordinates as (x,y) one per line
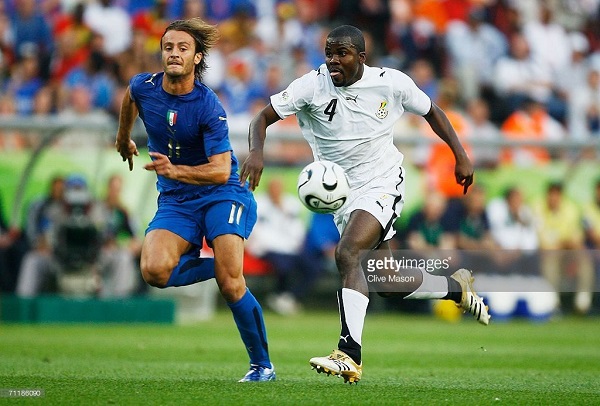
(407,360)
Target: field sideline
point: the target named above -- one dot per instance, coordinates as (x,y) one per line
(408,360)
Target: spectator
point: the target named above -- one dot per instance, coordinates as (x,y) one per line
(44,102)
(42,213)
(25,81)
(530,123)
(427,227)
(548,40)
(423,73)
(512,222)
(371,15)
(30,30)
(73,43)
(584,108)
(439,160)
(482,129)
(513,228)
(412,37)
(472,226)
(574,74)
(121,228)
(519,76)
(78,261)
(282,35)
(316,258)
(506,16)
(313,32)
(152,22)
(112,23)
(239,89)
(93,75)
(561,236)
(10,139)
(473,49)
(277,238)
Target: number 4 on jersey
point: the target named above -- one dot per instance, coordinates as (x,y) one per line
(330,109)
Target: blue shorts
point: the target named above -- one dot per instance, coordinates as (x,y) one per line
(194,218)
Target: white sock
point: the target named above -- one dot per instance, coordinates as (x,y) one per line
(355,310)
(432,287)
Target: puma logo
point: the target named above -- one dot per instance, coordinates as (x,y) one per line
(345,338)
(352,98)
(151,80)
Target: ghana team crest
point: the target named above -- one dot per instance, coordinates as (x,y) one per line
(382,111)
(172,117)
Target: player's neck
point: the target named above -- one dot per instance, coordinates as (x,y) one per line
(178,85)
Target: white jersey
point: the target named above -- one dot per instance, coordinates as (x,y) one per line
(353,125)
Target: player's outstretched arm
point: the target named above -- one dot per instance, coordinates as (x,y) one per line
(253,165)
(440,124)
(124,144)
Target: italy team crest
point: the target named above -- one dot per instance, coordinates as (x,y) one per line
(172,117)
(382,111)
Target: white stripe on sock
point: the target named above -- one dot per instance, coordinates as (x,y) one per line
(355,310)
(432,287)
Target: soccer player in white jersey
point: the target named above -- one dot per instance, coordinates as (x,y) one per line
(346,111)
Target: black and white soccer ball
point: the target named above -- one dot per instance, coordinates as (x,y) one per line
(323,186)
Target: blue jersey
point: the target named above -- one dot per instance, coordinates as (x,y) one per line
(187,128)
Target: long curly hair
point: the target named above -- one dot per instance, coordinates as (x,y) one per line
(205,37)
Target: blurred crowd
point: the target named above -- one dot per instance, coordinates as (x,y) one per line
(529,68)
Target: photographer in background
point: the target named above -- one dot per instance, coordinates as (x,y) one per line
(78,259)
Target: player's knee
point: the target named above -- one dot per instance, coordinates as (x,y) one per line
(232,289)
(345,257)
(154,275)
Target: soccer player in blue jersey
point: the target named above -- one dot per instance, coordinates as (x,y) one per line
(201,196)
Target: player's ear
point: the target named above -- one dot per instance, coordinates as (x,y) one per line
(197,58)
(362,57)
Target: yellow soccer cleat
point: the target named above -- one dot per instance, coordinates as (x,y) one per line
(338,364)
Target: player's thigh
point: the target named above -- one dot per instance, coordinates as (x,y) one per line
(162,249)
(226,224)
(362,231)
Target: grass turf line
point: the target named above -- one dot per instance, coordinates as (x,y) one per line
(407,359)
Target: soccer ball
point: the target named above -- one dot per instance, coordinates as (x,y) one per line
(323,186)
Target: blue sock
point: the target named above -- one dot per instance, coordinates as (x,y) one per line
(191,269)
(248,317)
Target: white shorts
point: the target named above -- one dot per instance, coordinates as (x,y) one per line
(382,197)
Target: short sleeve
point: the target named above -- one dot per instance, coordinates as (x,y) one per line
(413,99)
(296,96)
(215,128)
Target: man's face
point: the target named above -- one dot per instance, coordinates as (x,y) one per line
(178,54)
(344,62)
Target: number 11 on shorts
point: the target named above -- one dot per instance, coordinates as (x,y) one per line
(236,213)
